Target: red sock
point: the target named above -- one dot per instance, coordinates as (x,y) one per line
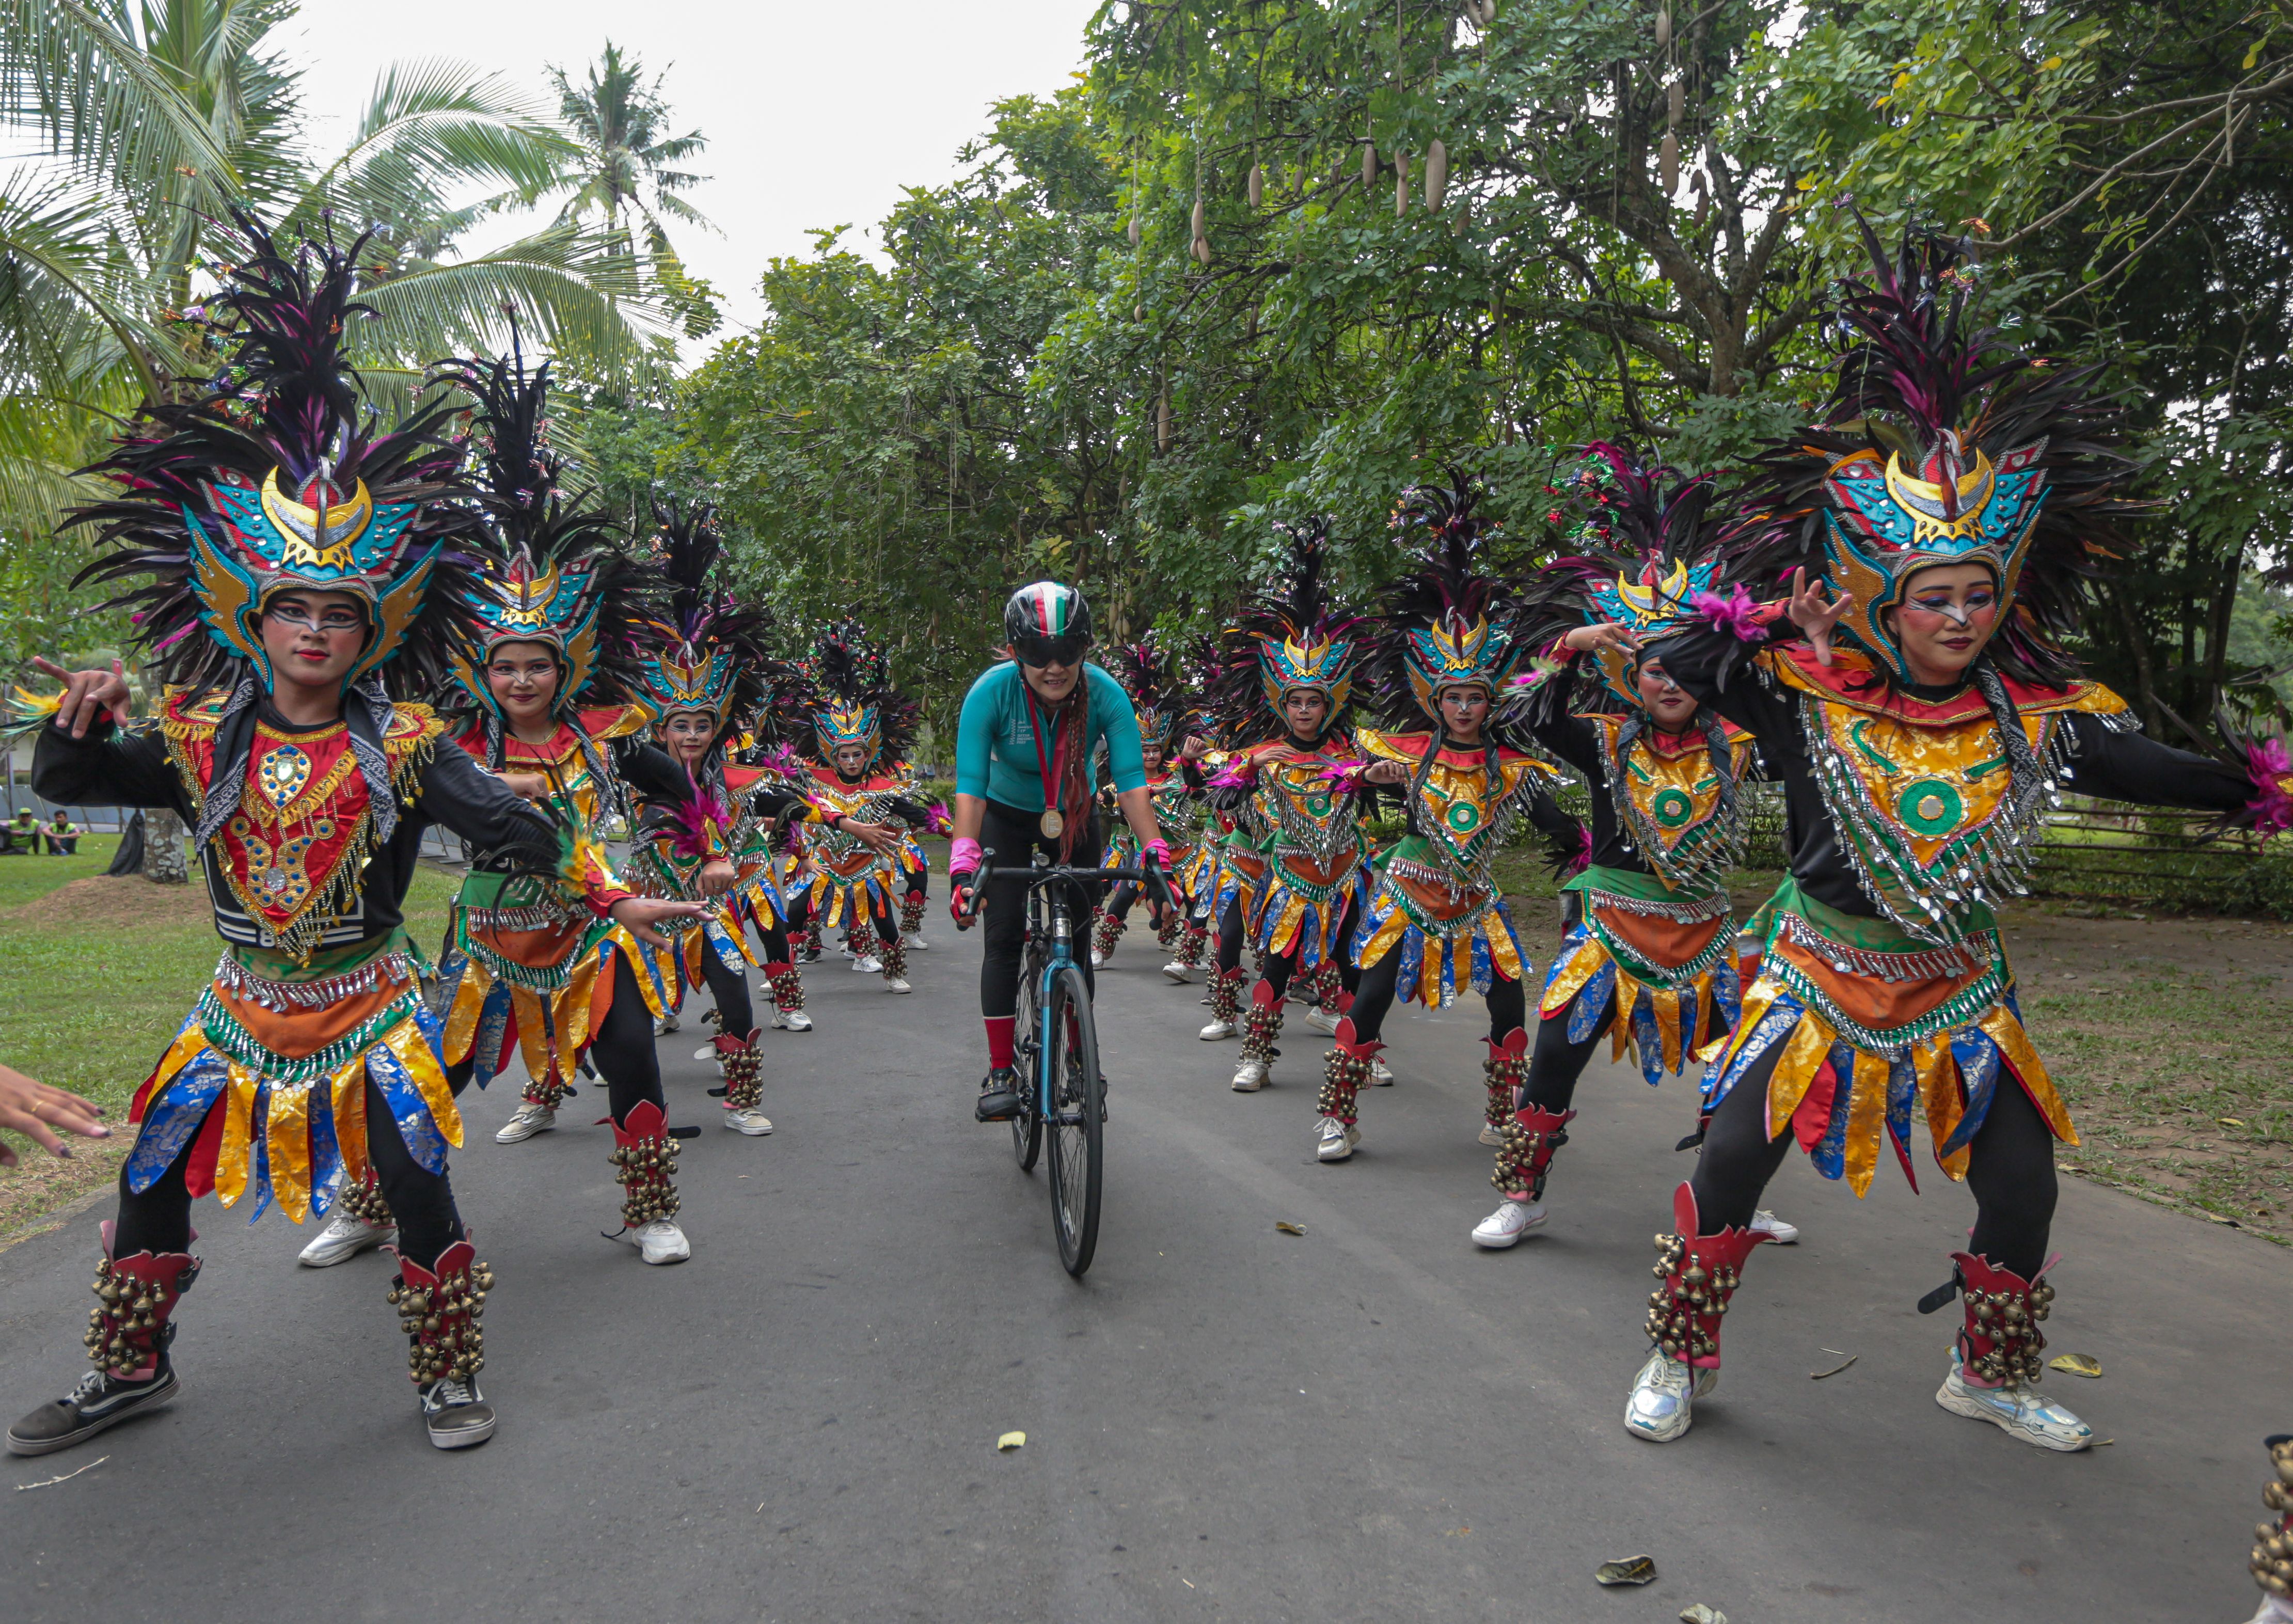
(999,1040)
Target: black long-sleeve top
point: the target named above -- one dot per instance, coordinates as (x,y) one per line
(113,767)
(2102,760)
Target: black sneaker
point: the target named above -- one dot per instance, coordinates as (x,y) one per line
(457,1414)
(999,1096)
(97,1402)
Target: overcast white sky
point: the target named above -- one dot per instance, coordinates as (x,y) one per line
(816,114)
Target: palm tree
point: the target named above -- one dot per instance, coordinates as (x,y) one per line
(623,176)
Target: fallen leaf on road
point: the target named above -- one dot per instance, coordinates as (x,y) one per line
(1701,1614)
(2076,1364)
(1289,1229)
(50,1483)
(1011,1440)
(1816,1376)
(1626,1571)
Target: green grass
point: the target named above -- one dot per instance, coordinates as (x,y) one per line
(90,1006)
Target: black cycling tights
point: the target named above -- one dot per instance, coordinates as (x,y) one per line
(1374,996)
(160,1220)
(2011,1169)
(1014,837)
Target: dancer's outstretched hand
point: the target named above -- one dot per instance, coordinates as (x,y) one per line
(875,837)
(37,1110)
(87,694)
(640,915)
(1815,617)
(716,877)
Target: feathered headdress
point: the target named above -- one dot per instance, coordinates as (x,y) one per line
(1446,624)
(274,478)
(1144,673)
(1938,446)
(707,651)
(853,699)
(1646,551)
(1290,636)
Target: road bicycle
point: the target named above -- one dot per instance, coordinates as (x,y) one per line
(1061,1089)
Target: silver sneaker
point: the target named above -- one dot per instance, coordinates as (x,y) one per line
(915,939)
(1491,1135)
(667,1024)
(1664,1398)
(531,1119)
(1508,1224)
(791,1021)
(2022,1413)
(1336,1140)
(1322,1021)
(748,1120)
(345,1236)
(1176,971)
(1766,1222)
(456,1414)
(868,964)
(1380,1074)
(1249,1076)
(1216,1030)
(897,984)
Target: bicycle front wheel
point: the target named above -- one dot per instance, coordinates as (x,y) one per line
(1077,1127)
(1027,1127)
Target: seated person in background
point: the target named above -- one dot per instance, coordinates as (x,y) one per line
(63,835)
(23,831)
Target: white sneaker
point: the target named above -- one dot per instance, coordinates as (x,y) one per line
(747,1120)
(1765,1223)
(666,1025)
(658,1242)
(1322,1021)
(1491,1135)
(1508,1224)
(1176,971)
(897,984)
(531,1119)
(1096,958)
(2022,1413)
(1337,1140)
(791,1021)
(1218,1029)
(345,1236)
(1380,1074)
(915,939)
(868,964)
(1249,1076)
(1664,1398)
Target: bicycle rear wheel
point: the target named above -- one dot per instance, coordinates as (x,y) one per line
(1027,1127)
(1078,1128)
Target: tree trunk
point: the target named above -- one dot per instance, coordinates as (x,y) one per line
(164,862)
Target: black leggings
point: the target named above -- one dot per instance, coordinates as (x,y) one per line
(2011,1169)
(1555,1063)
(1374,996)
(737,1017)
(1015,837)
(1230,936)
(160,1220)
(1275,970)
(622,1050)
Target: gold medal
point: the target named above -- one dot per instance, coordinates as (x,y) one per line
(1052,824)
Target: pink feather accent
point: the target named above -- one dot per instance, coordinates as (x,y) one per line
(1583,858)
(1736,614)
(2271,808)
(940,821)
(782,761)
(691,823)
(1239,776)
(1347,773)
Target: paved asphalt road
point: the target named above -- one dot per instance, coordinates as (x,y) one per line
(1374,1421)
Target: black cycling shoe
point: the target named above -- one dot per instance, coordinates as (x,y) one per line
(99,1400)
(999,1096)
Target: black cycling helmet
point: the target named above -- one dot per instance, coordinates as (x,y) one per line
(1047,623)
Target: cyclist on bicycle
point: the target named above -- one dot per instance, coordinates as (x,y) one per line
(1024,743)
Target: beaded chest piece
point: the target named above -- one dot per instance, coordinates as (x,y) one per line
(1667,793)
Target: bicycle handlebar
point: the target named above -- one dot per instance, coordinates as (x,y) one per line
(987,871)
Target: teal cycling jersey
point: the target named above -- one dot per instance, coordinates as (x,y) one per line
(995,752)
